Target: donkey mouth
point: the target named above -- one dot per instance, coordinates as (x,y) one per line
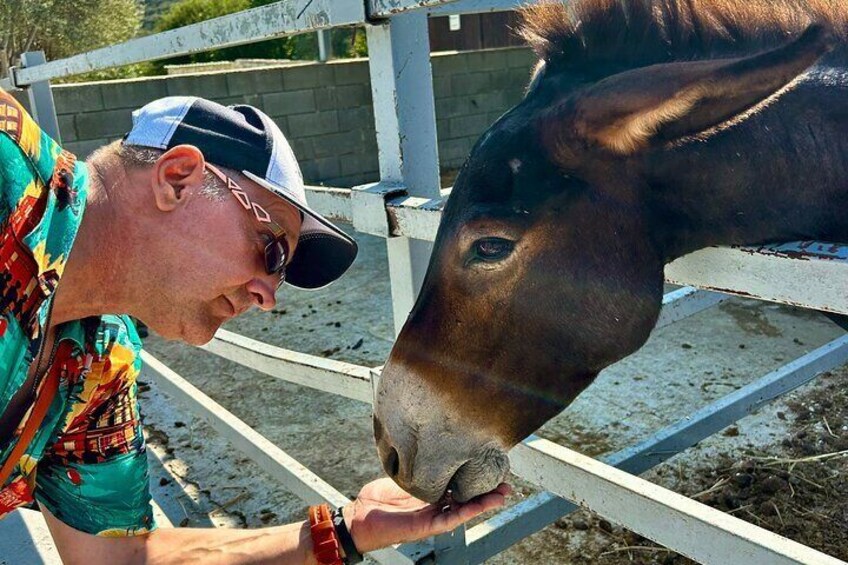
(478,476)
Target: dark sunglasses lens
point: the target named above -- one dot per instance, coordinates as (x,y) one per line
(275,257)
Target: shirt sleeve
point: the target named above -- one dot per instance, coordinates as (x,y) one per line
(95,477)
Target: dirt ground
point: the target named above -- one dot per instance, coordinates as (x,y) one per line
(797,487)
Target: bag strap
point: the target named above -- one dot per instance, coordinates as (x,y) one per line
(39,411)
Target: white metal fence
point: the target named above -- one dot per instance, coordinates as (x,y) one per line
(405,208)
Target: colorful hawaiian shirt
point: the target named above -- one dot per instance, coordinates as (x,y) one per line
(87,461)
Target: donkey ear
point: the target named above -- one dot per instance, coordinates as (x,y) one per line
(625,112)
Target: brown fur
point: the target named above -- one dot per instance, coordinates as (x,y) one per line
(592,35)
(594,181)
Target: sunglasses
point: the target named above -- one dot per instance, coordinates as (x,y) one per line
(277,249)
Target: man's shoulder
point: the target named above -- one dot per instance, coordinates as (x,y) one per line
(30,161)
(20,136)
(22,140)
(13,117)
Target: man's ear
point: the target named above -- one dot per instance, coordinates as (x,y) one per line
(628,111)
(175,174)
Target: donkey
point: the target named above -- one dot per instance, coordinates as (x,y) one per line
(650,129)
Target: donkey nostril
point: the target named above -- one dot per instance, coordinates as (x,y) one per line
(392,462)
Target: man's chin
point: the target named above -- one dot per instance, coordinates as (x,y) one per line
(198,340)
(192,334)
(200,334)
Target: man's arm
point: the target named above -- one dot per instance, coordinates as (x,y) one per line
(381,515)
(280,545)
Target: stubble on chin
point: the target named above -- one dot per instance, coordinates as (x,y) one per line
(196,327)
(202,331)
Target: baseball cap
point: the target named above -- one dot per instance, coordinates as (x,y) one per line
(243,138)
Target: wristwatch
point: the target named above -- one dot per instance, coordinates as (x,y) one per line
(332,543)
(351,554)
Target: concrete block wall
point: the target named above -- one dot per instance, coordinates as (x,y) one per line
(323,108)
(473,89)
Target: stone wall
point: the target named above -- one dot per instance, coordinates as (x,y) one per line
(323,108)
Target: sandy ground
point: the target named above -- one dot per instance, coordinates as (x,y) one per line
(200,479)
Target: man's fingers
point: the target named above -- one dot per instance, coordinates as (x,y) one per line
(461,513)
(503,489)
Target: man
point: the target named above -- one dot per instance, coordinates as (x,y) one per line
(196,216)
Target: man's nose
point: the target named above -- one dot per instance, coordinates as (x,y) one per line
(262,291)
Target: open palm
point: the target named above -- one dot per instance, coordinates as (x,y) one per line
(384,514)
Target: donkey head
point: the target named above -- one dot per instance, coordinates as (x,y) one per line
(547,266)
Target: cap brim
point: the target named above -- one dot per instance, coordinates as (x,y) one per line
(324,252)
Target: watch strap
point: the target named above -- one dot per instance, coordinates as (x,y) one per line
(351,554)
(325,541)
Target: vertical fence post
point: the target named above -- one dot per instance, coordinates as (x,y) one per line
(325,45)
(405,119)
(41,103)
(451,548)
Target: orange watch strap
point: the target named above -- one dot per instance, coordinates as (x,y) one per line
(325,542)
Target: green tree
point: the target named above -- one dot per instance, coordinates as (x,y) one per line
(189,12)
(62,28)
(346,42)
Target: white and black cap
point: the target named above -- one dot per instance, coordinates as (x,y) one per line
(243,138)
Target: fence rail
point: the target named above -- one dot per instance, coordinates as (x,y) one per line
(287,17)
(292,366)
(673,520)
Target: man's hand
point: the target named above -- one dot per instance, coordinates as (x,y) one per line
(384,514)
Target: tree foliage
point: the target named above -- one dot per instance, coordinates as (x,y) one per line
(189,12)
(345,42)
(62,28)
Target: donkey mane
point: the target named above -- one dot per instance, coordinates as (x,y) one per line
(597,37)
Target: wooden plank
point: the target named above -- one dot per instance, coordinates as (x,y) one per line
(332,203)
(24,538)
(415,217)
(808,274)
(328,375)
(276,462)
(697,531)
(41,98)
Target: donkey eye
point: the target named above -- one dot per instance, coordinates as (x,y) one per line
(493,248)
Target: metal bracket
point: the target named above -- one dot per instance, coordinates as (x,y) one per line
(368,203)
(41,104)
(375,373)
(13,77)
